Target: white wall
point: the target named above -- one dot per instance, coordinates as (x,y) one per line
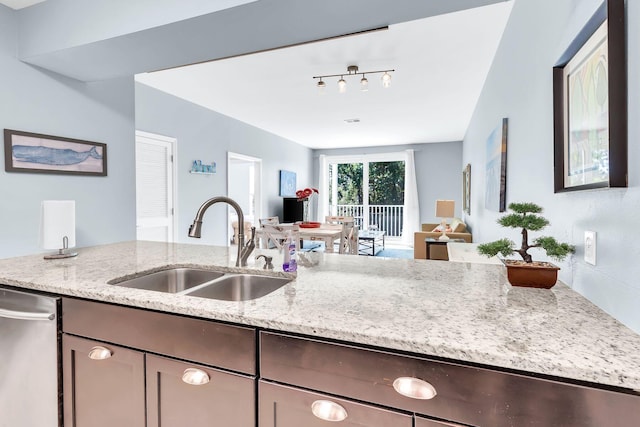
(519,86)
(36,100)
(207,135)
(438,172)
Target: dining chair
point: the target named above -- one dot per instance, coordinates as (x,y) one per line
(349,239)
(278,235)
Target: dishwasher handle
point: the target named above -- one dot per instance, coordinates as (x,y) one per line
(26,315)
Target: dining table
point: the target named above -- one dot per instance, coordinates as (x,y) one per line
(326,233)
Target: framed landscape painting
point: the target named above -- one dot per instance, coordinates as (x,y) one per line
(496,169)
(37,153)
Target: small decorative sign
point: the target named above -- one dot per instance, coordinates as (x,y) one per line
(198,167)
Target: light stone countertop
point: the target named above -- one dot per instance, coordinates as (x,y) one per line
(460,311)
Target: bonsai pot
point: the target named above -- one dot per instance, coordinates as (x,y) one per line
(532,275)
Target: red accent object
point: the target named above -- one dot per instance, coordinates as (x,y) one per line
(309,225)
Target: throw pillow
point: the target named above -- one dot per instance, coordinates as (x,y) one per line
(458,226)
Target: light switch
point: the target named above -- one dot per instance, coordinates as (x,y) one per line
(590,247)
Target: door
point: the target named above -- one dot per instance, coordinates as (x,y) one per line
(244,181)
(369,189)
(282,406)
(181,393)
(154,187)
(103,384)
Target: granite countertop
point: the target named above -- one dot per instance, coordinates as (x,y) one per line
(461,311)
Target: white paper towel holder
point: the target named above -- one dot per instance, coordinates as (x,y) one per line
(58,227)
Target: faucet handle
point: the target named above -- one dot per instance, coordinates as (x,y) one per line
(267,261)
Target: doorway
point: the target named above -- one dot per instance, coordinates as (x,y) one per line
(244,177)
(155,187)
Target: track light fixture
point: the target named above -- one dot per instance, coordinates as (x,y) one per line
(352,70)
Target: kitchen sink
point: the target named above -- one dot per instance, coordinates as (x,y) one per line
(171,281)
(206,284)
(239,287)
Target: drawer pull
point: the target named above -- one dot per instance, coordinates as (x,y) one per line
(195,376)
(100,353)
(328,411)
(414,388)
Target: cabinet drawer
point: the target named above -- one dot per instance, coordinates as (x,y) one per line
(227,399)
(423,422)
(464,394)
(204,341)
(282,406)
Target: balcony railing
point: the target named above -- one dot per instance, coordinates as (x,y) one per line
(385,217)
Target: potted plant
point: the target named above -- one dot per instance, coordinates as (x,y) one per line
(528,272)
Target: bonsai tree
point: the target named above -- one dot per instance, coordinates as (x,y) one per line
(525,216)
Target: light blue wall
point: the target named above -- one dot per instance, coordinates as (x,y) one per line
(36,100)
(519,86)
(438,172)
(207,135)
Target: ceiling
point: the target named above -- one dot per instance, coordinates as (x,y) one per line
(440,65)
(19,4)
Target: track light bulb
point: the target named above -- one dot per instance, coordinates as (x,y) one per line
(386,80)
(321,86)
(342,85)
(364,84)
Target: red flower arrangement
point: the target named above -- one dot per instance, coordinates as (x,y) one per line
(306,193)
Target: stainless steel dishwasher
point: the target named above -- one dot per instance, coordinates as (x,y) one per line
(29,354)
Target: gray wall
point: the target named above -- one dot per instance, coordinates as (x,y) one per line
(519,86)
(438,172)
(207,135)
(39,101)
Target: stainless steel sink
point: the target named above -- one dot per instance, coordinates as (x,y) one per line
(171,281)
(239,287)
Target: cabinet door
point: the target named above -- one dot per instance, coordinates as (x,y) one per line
(282,406)
(103,384)
(222,399)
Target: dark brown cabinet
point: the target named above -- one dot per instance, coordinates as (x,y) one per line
(442,390)
(102,390)
(282,406)
(225,399)
(107,385)
(423,422)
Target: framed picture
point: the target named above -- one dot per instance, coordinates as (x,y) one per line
(37,153)
(590,107)
(495,197)
(287,184)
(466,189)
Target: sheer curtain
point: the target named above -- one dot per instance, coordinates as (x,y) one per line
(411,212)
(323,188)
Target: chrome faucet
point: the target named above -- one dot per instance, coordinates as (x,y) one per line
(195,229)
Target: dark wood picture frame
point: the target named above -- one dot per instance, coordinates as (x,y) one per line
(613,13)
(28,152)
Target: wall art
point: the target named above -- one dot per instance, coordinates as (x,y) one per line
(287,184)
(495,196)
(466,189)
(590,109)
(36,153)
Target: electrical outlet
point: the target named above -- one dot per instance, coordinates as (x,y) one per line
(590,247)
